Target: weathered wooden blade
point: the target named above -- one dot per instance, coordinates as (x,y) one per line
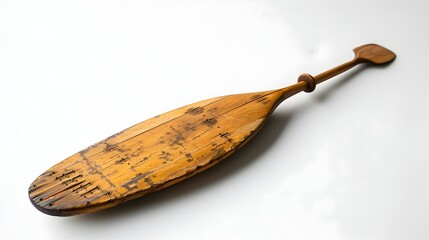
(152,155)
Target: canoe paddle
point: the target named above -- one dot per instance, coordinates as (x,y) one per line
(170,147)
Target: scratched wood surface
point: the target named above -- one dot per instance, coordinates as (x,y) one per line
(154,154)
(170,147)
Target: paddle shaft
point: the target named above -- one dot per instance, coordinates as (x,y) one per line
(311,81)
(370,53)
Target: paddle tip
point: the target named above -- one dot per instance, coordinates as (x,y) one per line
(373,53)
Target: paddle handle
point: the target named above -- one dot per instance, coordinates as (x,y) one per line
(369,53)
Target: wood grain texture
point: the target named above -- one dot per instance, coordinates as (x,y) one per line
(153,154)
(170,147)
(368,53)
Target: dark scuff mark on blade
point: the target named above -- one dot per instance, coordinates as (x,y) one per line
(179,139)
(90,191)
(195,111)
(189,157)
(132,184)
(210,121)
(138,151)
(111,147)
(64,175)
(122,160)
(94,169)
(190,127)
(165,156)
(139,162)
(81,186)
(224,135)
(149,182)
(48,173)
(71,180)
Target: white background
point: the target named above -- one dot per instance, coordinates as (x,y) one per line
(348,161)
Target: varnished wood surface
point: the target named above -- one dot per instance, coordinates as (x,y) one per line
(168,148)
(368,53)
(154,154)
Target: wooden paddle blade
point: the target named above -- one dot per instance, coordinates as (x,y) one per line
(152,155)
